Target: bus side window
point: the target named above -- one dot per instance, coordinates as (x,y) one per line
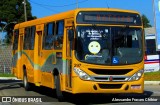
(26,44)
(33,30)
(16,37)
(48,41)
(59,34)
(26,38)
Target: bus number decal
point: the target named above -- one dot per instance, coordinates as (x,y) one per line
(77,65)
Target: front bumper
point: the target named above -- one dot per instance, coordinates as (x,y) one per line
(81,86)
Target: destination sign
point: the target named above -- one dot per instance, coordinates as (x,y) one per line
(108,17)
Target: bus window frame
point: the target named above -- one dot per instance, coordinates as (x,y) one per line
(45,35)
(15,42)
(33,32)
(28,37)
(58,43)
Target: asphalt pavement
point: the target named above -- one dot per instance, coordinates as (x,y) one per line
(145,82)
(11,87)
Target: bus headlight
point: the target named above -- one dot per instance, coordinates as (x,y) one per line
(136,76)
(82,74)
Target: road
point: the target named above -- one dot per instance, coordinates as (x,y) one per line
(47,96)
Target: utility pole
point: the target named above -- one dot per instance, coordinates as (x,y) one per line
(25,13)
(154,15)
(77,3)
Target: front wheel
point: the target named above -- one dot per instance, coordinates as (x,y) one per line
(25,82)
(58,88)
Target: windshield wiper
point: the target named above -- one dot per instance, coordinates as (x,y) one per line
(124,28)
(95,26)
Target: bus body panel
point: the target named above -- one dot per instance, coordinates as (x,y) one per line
(94,87)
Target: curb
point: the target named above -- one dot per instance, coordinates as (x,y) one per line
(8,78)
(152,82)
(145,82)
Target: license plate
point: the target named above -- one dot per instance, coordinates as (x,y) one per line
(135,86)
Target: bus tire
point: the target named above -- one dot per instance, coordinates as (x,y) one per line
(58,89)
(25,82)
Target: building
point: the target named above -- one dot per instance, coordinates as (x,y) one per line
(151,54)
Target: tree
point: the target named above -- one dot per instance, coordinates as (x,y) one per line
(146,22)
(13,11)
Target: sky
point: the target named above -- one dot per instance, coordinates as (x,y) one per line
(42,8)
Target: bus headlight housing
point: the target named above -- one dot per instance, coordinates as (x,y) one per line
(136,76)
(82,74)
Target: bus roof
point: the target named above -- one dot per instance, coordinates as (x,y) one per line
(105,9)
(67,14)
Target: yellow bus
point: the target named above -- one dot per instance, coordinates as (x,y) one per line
(86,50)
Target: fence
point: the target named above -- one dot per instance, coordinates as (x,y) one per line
(5,58)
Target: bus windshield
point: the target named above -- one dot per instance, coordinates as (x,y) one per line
(109,45)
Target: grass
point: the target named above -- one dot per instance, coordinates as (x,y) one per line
(6,75)
(152,76)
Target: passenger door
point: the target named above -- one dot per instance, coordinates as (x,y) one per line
(69,47)
(38,54)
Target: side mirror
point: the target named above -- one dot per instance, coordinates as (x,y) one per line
(70,35)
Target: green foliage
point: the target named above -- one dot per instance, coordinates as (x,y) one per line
(6,75)
(152,76)
(146,22)
(13,11)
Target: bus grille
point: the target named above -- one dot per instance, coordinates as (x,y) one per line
(110,86)
(110,71)
(114,78)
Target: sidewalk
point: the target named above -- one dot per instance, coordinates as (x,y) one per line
(152,82)
(8,78)
(145,82)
